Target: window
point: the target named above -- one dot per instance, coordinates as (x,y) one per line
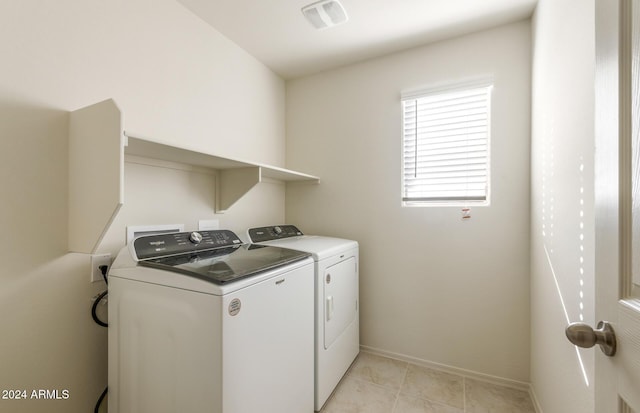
(446,146)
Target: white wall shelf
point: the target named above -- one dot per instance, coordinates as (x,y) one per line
(97,145)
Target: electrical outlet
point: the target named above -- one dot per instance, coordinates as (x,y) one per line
(98,260)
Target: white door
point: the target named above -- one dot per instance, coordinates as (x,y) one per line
(617,188)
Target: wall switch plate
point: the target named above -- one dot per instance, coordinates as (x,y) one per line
(208,224)
(98,260)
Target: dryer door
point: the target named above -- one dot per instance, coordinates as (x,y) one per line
(340,298)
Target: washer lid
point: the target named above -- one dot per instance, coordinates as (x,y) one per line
(215,256)
(223,265)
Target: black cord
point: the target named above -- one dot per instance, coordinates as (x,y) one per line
(95,306)
(103,269)
(99,402)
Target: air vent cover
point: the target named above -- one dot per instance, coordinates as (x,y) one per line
(325,13)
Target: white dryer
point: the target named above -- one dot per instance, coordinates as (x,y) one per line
(337,323)
(199,322)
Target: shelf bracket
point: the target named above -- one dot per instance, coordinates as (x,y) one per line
(233,184)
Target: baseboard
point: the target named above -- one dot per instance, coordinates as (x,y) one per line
(520,385)
(534,399)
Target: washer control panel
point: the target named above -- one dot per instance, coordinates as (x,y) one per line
(263,234)
(161,245)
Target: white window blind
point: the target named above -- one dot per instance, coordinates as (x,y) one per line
(446,145)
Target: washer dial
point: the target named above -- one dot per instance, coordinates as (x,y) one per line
(195,237)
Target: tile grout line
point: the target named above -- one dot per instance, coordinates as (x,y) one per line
(404,378)
(464,394)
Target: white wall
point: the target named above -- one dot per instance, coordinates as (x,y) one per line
(432,287)
(562,224)
(175,79)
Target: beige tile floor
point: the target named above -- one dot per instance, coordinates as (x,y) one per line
(376,384)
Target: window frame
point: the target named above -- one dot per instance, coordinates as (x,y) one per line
(417,93)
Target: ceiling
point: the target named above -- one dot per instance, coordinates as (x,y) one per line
(277,34)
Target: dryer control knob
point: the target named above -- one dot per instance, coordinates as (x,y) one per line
(195,237)
(277,230)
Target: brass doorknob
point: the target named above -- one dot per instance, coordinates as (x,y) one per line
(582,335)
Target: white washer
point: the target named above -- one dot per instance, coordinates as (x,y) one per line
(337,324)
(202,323)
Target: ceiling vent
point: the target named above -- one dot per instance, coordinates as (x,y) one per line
(325,13)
